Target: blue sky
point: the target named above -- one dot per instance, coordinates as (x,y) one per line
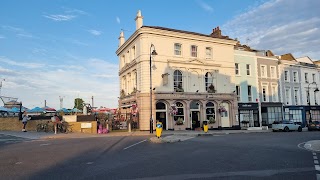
(63,48)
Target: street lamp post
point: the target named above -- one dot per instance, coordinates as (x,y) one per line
(152,53)
(309,100)
(1,85)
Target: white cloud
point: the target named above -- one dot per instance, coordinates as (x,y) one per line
(74,11)
(77,42)
(205,6)
(21,64)
(95,32)
(60,17)
(33,87)
(18,31)
(118,20)
(283,26)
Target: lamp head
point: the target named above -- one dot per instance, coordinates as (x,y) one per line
(154,53)
(316,90)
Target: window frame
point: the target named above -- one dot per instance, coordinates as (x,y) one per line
(177,81)
(295,76)
(274,88)
(210,55)
(286,74)
(287,95)
(206,80)
(177,50)
(273,75)
(237,68)
(264,95)
(263,67)
(177,115)
(248,70)
(306,77)
(249,93)
(194,53)
(238,92)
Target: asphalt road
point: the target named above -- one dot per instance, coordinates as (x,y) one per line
(230,156)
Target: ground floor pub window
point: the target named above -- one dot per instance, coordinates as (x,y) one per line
(210,113)
(179,117)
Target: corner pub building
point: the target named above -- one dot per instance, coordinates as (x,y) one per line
(192,77)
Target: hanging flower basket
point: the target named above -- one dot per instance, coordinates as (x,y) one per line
(173,110)
(222,109)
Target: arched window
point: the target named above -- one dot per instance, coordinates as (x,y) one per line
(210,112)
(180,112)
(177,81)
(160,105)
(208,80)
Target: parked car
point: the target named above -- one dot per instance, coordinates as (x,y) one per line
(286,126)
(314,125)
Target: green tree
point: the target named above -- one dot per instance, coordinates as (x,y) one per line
(78,103)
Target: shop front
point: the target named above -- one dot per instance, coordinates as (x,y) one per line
(302,114)
(249,114)
(270,112)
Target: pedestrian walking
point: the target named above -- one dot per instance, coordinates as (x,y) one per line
(55,120)
(25,119)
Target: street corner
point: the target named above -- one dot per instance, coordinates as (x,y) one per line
(313,145)
(171,139)
(156,140)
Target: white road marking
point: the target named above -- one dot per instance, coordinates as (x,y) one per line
(316,161)
(134,144)
(317,167)
(315,157)
(19,162)
(89,163)
(314,154)
(318,176)
(45,144)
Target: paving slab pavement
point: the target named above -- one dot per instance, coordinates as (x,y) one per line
(168,136)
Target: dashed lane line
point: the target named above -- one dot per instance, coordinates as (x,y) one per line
(134,144)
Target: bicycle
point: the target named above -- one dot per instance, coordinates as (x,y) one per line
(64,127)
(43,127)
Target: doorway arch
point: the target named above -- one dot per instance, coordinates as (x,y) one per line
(161,114)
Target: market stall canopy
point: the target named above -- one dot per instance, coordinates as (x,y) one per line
(5,109)
(46,108)
(64,110)
(36,110)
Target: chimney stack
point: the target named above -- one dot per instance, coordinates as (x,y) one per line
(121,39)
(216,32)
(139,20)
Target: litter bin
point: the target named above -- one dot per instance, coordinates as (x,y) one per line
(158,129)
(205,126)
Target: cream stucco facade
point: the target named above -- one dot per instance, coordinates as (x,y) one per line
(184,60)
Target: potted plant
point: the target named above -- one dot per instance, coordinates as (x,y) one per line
(179,88)
(179,121)
(211,120)
(245,123)
(211,89)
